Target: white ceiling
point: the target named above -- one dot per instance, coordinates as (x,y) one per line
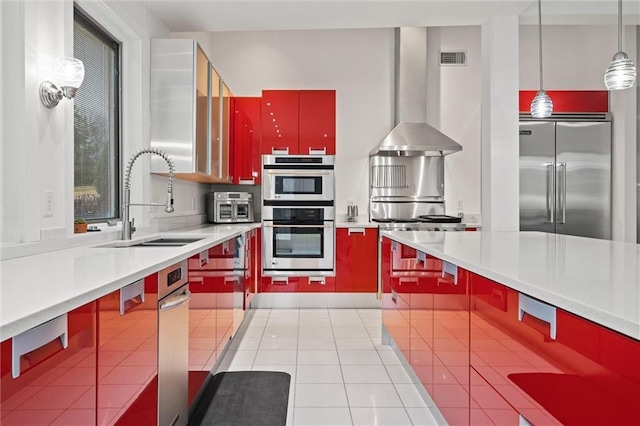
(241,15)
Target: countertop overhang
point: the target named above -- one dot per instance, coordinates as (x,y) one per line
(35,289)
(595,279)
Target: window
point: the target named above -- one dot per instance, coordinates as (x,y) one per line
(96,113)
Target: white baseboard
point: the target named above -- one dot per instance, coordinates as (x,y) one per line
(315,300)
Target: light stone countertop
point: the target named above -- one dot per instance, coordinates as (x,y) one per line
(595,279)
(35,289)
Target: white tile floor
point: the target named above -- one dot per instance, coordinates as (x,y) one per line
(341,374)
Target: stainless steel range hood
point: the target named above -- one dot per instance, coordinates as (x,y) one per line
(412,136)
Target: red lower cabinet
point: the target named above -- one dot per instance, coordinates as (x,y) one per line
(552,366)
(317,285)
(488,407)
(48,373)
(128,355)
(279,284)
(356,260)
(451,344)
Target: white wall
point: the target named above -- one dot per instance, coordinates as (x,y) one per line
(454,107)
(358,64)
(38,147)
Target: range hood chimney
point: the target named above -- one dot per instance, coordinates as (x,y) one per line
(412,136)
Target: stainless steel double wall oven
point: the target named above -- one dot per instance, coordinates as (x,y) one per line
(298,215)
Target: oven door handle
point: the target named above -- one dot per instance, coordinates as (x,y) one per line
(297,173)
(267,225)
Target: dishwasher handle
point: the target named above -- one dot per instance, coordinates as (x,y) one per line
(175,301)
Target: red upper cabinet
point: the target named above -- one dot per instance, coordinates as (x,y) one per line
(356,260)
(279,124)
(246,141)
(317,125)
(298,122)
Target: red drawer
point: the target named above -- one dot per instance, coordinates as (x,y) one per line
(277,284)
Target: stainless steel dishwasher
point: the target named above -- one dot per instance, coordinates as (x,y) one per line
(173,344)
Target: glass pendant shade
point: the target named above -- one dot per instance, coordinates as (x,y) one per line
(621,73)
(541,106)
(69,72)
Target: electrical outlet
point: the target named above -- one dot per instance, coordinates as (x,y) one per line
(460,205)
(47,207)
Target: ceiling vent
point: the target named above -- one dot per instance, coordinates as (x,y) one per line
(453,58)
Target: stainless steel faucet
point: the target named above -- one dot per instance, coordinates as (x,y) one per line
(127,227)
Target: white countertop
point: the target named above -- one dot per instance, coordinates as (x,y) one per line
(37,288)
(594,279)
(361,222)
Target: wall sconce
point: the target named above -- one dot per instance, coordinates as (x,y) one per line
(69,74)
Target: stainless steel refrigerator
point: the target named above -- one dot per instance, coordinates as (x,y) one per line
(565,175)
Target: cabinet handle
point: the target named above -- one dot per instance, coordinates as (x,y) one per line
(231,280)
(250,181)
(37,337)
(203,257)
(280,281)
(318,280)
(129,292)
(176,301)
(318,151)
(421,258)
(537,309)
(280,151)
(356,231)
(450,269)
(522,421)
(408,280)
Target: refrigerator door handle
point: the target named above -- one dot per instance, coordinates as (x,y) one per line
(562,193)
(551,184)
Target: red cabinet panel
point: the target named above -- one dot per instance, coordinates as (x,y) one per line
(317,284)
(356,260)
(56,385)
(128,355)
(246,141)
(279,284)
(546,376)
(488,407)
(317,126)
(279,121)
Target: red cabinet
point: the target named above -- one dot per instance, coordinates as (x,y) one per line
(316,285)
(279,284)
(48,373)
(128,355)
(298,122)
(279,123)
(356,260)
(246,141)
(317,122)
(552,366)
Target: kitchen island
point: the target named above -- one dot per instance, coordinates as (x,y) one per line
(510,327)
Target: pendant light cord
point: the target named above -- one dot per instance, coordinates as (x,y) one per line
(619,25)
(540,38)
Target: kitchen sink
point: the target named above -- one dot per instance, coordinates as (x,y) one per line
(158,242)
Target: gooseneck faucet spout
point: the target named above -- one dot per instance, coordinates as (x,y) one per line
(127,227)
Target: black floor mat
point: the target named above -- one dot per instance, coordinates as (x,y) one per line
(244,398)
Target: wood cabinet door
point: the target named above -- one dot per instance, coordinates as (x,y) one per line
(56,381)
(317,126)
(357,260)
(279,123)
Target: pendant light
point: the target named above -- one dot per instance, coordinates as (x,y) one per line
(621,72)
(541,106)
